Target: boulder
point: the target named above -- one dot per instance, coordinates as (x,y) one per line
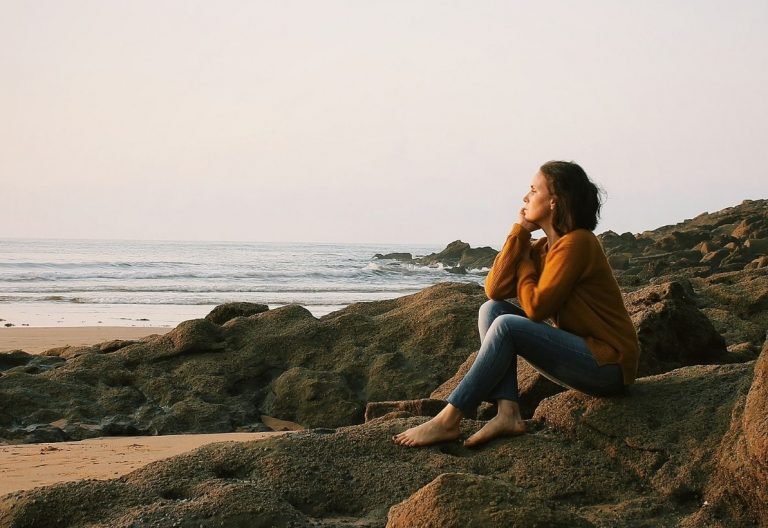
(461,500)
(738,489)
(224,312)
(672,331)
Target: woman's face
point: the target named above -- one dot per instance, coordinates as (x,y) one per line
(539,203)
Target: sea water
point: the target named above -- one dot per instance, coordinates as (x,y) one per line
(161,283)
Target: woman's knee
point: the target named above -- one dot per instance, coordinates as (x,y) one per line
(491,309)
(508,323)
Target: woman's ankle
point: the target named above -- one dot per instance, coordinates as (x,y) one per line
(509,410)
(450,417)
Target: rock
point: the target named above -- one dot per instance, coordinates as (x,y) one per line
(224,312)
(756,248)
(672,331)
(619,261)
(421,407)
(313,398)
(39,433)
(20,361)
(402,257)
(460,500)
(649,458)
(197,335)
(738,490)
(460,254)
(736,303)
(758,263)
(714,257)
(114,345)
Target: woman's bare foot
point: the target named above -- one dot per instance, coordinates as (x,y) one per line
(428,433)
(441,428)
(498,426)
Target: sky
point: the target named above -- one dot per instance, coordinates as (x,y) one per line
(397,122)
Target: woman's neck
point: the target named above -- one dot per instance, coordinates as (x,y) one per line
(552,235)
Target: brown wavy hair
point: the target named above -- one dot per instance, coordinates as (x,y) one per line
(577,199)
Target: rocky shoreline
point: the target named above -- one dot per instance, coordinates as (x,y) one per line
(687,445)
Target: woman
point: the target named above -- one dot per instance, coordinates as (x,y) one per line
(592,346)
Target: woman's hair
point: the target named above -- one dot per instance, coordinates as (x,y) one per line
(577,198)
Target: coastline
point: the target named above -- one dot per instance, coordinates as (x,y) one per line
(35,340)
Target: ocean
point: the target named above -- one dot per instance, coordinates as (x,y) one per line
(161,283)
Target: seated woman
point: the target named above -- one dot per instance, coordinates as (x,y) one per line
(592,346)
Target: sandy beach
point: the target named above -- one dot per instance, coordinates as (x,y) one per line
(39,339)
(28,466)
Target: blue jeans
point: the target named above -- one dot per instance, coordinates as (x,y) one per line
(562,357)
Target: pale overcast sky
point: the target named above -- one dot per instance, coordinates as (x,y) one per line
(371,121)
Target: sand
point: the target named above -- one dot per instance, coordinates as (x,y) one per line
(27,466)
(38,339)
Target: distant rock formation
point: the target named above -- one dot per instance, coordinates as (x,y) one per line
(457,257)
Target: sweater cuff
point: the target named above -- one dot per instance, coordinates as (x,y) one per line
(520,232)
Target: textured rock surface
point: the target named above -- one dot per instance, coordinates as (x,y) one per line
(224,312)
(646,459)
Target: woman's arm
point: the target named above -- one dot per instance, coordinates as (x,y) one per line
(566,262)
(501,282)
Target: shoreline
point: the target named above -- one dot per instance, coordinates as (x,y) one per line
(34,340)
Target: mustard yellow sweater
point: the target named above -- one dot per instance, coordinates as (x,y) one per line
(573,283)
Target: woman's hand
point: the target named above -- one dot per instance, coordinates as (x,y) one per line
(525,224)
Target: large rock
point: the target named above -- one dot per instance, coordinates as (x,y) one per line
(224,312)
(649,458)
(671,330)
(461,500)
(205,377)
(738,491)
(460,254)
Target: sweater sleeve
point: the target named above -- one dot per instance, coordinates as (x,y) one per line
(543,296)
(501,282)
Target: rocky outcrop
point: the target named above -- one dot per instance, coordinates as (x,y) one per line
(738,491)
(727,240)
(206,377)
(458,257)
(654,457)
(460,254)
(402,257)
(672,331)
